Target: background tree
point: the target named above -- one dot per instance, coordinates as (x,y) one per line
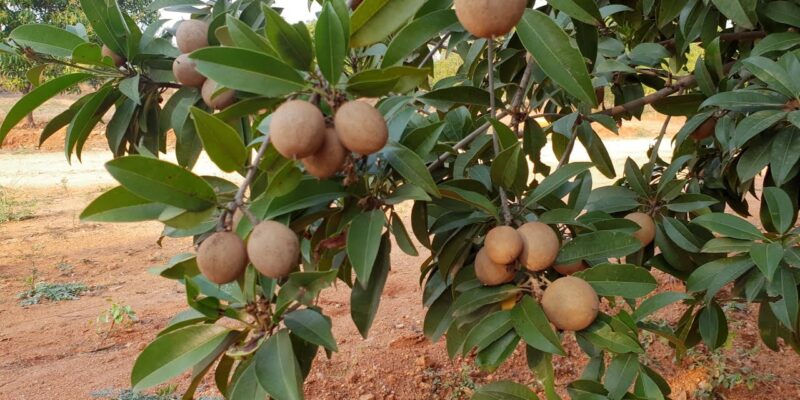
(521,253)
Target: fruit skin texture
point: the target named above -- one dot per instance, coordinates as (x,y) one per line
(220,101)
(503,245)
(329,159)
(297,129)
(570,303)
(540,246)
(273,249)
(490,273)
(191,35)
(361,128)
(487,18)
(222,257)
(185,73)
(705,130)
(118,59)
(647,232)
(569,269)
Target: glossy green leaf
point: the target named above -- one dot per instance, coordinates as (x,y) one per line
(416,34)
(46,39)
(277,368)
(690,202)
(624,280)
(756,123)
(248,71)
(780,208)
(120,205)
(776,42)
(411,167)
(245,37)
(657,302)
(459,95)
(108,24)
(585,11)
(785,12)
(170,355)
(292,46)
(365,299)
(223,144)
(162,182)
(490,329)
(474,199)
(532,325)
(374,20)
(36,98)
(767,257)
(784,154)
(380,82)
(505,390)
(771,73)
(551,48)
(401,236)
(312,327)
(746,100)
(620,375)
(244,385)
(87,117)
(330,44)
(712,276)
(363,243)
(598,245)
(556,180)
(729,225)
(741,12)
(474,299)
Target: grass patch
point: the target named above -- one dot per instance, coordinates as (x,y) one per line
(13,210)
(52,292)
(164,393)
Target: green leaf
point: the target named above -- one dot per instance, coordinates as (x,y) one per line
(741,12)
(771,73)
(87,118)
(712,276)
(120,205)
(784,12)
(505,168)
(474,299)
(612,199)
(780,208)
(245,37)
(171,354)
(36,98)
(162,182)
(786,309)
(682,105)
(310,192)
(409,165)
(46,39)
(490,329)
(756,123)
(585,11)
(312,327)
(108,24)
(726,245)
(532,325)
(669,10)
(553,52)
(331,44)
(374,20)
(498,352)
(223,144)
(754,159)
(504,390)
(624,280)
(416,34)
(556,180)
(690,202)
(620,375)
(657,302)
(469,197)
(776,42)
(365,299)
(363,243)
(290,44)
(601,335)
(380,82)
(401,236)
(784,154)
(459,95)
(598,245)
(746,100)
(248,71)
(729,225)
(277,368)
(767,257)
(244,385)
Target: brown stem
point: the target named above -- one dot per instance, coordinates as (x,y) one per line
(464,142)
(516,103)
(434,50)
(495,140)
(568,151)
(238,199)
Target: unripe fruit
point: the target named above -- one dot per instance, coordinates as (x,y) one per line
(540,246)
(361,128)
(184,70)
(329,159)
(503,245)
(222,257)
(222,100)
(297,129)
(647,230)
(570,303)
(273,249)
(191,35)
(490,273)
(488,18)
(116,58)
(569,269)
(705,130)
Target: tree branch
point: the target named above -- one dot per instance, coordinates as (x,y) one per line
(238,199)
(434,50)
(725,37)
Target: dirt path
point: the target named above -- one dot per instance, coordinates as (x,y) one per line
(58,350)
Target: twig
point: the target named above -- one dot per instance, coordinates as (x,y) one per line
(516,103)
(495,139)
(568,151)
(660,138)
(238,199)
(435,49)
(464,142)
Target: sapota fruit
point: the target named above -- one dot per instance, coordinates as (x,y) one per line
(569,269)
(116,58)
(222,257)
(219,101)
(570,303)
(491,273)
(503,244)
(361,128)
(297,129)
(273,249)
(184,70)
(540,246)
(329,159)
(488,18)
(647,230)
(191,35)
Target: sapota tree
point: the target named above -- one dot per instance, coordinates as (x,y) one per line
(517,253)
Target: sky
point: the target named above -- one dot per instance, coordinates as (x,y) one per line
(293,11)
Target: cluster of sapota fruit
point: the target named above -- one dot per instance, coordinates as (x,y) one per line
(192,35)
(569,302)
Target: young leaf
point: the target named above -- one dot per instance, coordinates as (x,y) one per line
(223,144)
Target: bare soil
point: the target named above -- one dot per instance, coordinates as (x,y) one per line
(59,350)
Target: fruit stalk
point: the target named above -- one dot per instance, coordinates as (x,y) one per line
(238,199)
(495,140)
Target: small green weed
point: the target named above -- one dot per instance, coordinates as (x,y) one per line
(117,314)
(50,291)
(13,210)
(726,373)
